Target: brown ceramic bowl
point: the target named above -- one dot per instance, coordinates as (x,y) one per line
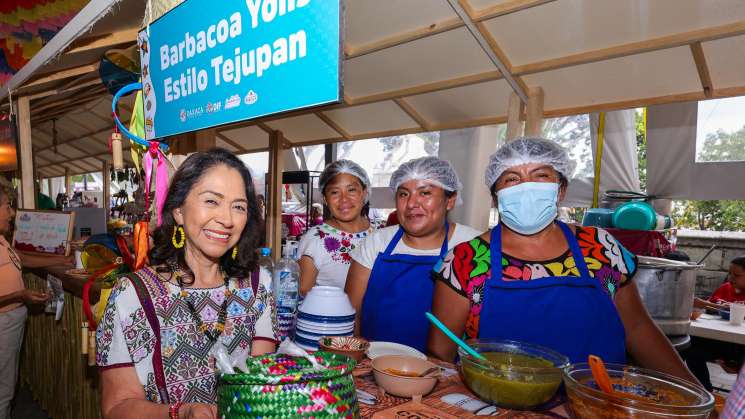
(401,385)
(350,346)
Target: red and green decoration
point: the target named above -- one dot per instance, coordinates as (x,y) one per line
(26,26)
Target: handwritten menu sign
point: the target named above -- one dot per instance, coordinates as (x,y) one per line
(43,231)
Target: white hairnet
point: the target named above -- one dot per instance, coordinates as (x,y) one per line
(431,169)
(526,151)
(344,166)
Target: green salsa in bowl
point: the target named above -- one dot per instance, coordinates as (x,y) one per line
(517,375)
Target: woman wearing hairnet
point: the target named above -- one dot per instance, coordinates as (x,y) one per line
(568,288)
(389,282)
(325,248)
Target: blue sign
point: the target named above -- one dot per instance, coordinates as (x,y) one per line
(213,62)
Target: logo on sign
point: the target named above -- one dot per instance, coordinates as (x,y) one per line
(251,97)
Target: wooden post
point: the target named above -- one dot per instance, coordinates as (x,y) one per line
(534,113)
(514,111)
(206,139)
(26,154)
(68,182)
(274,200)
(106,172)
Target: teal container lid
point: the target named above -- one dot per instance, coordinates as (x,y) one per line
(635,215)
(265,251)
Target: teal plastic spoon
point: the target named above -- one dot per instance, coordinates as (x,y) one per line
(431,317)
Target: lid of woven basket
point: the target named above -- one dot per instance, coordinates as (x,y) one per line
(281,369)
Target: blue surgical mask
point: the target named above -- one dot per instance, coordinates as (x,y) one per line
(529,207)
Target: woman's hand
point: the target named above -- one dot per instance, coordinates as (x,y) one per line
(33,298)
(197,411)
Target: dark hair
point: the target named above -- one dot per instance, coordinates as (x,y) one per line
(165,255)
(739,261)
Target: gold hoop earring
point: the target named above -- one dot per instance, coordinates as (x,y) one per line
(180,243)
(235,252)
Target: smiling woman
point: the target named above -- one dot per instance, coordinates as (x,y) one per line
(201,290)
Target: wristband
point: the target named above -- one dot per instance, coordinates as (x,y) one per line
(173,410)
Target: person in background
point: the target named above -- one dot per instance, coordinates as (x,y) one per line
(325,248)
(262,206)
(701,351)
(201,289)
(731,291)
(535,279)
(389,282)
(316,214)
(14,300)
(734,407)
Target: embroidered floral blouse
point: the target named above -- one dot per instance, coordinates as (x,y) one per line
(169,353)
(329,248)
(467,267)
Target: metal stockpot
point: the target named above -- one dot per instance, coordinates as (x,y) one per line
(667,289)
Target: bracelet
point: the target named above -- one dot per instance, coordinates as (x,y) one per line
(173,410)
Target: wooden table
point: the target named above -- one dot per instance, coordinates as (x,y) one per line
(713,327)
(432,406)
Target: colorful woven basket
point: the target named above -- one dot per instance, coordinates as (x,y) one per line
(281,386)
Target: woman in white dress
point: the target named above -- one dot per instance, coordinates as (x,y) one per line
(325,248)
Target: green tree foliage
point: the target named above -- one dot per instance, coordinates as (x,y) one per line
(715,215)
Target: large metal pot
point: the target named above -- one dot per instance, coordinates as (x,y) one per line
(667,290)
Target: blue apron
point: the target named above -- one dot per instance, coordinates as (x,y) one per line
(571,315)
(398,294)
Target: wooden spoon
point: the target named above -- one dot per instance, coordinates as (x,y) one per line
(600,374)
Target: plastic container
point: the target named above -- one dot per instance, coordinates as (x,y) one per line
(654,395)
(266,264)
(286,292)
(598,217)
(635,215)
(522,376)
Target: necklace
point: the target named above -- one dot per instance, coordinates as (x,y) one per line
(212,335)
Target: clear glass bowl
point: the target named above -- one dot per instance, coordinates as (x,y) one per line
(653,394)
(520,375)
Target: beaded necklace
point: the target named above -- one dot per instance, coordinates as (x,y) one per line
(212,335)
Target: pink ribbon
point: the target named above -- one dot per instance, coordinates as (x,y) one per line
(161,178)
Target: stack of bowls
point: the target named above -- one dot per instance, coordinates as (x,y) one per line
(326,311)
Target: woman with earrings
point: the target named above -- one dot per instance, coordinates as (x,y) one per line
(565,287)
(325,248)
(201,290)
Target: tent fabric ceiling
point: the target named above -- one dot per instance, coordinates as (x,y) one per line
(413,66)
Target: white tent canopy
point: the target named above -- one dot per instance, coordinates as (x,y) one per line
(413,66)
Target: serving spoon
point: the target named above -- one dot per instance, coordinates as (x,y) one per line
(431,317)
(600,374)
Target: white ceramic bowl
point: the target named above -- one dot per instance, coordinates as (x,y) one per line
(327,301)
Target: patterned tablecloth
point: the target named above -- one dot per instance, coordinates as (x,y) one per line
(432,406)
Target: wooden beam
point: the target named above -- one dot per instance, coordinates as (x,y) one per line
(69,100)
(465,12)
(479,122)
(506,8)
(534,113)
(427,88)
(274,200)
(413,114)
(266,128)
(80,137)
(109,40)
(501,56)
(230,142)
(25,148)
(655,44)
(515,109)
(68,182)
(703,70)
(331,123)
(402,38)
(61,75)
(67,161)
(62,111)
(61,91)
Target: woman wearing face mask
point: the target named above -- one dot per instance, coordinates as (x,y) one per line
(325,248)
(389,282)
(568,288)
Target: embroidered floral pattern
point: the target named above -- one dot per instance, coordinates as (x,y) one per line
(338,243)
(188,368)
(468,266)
